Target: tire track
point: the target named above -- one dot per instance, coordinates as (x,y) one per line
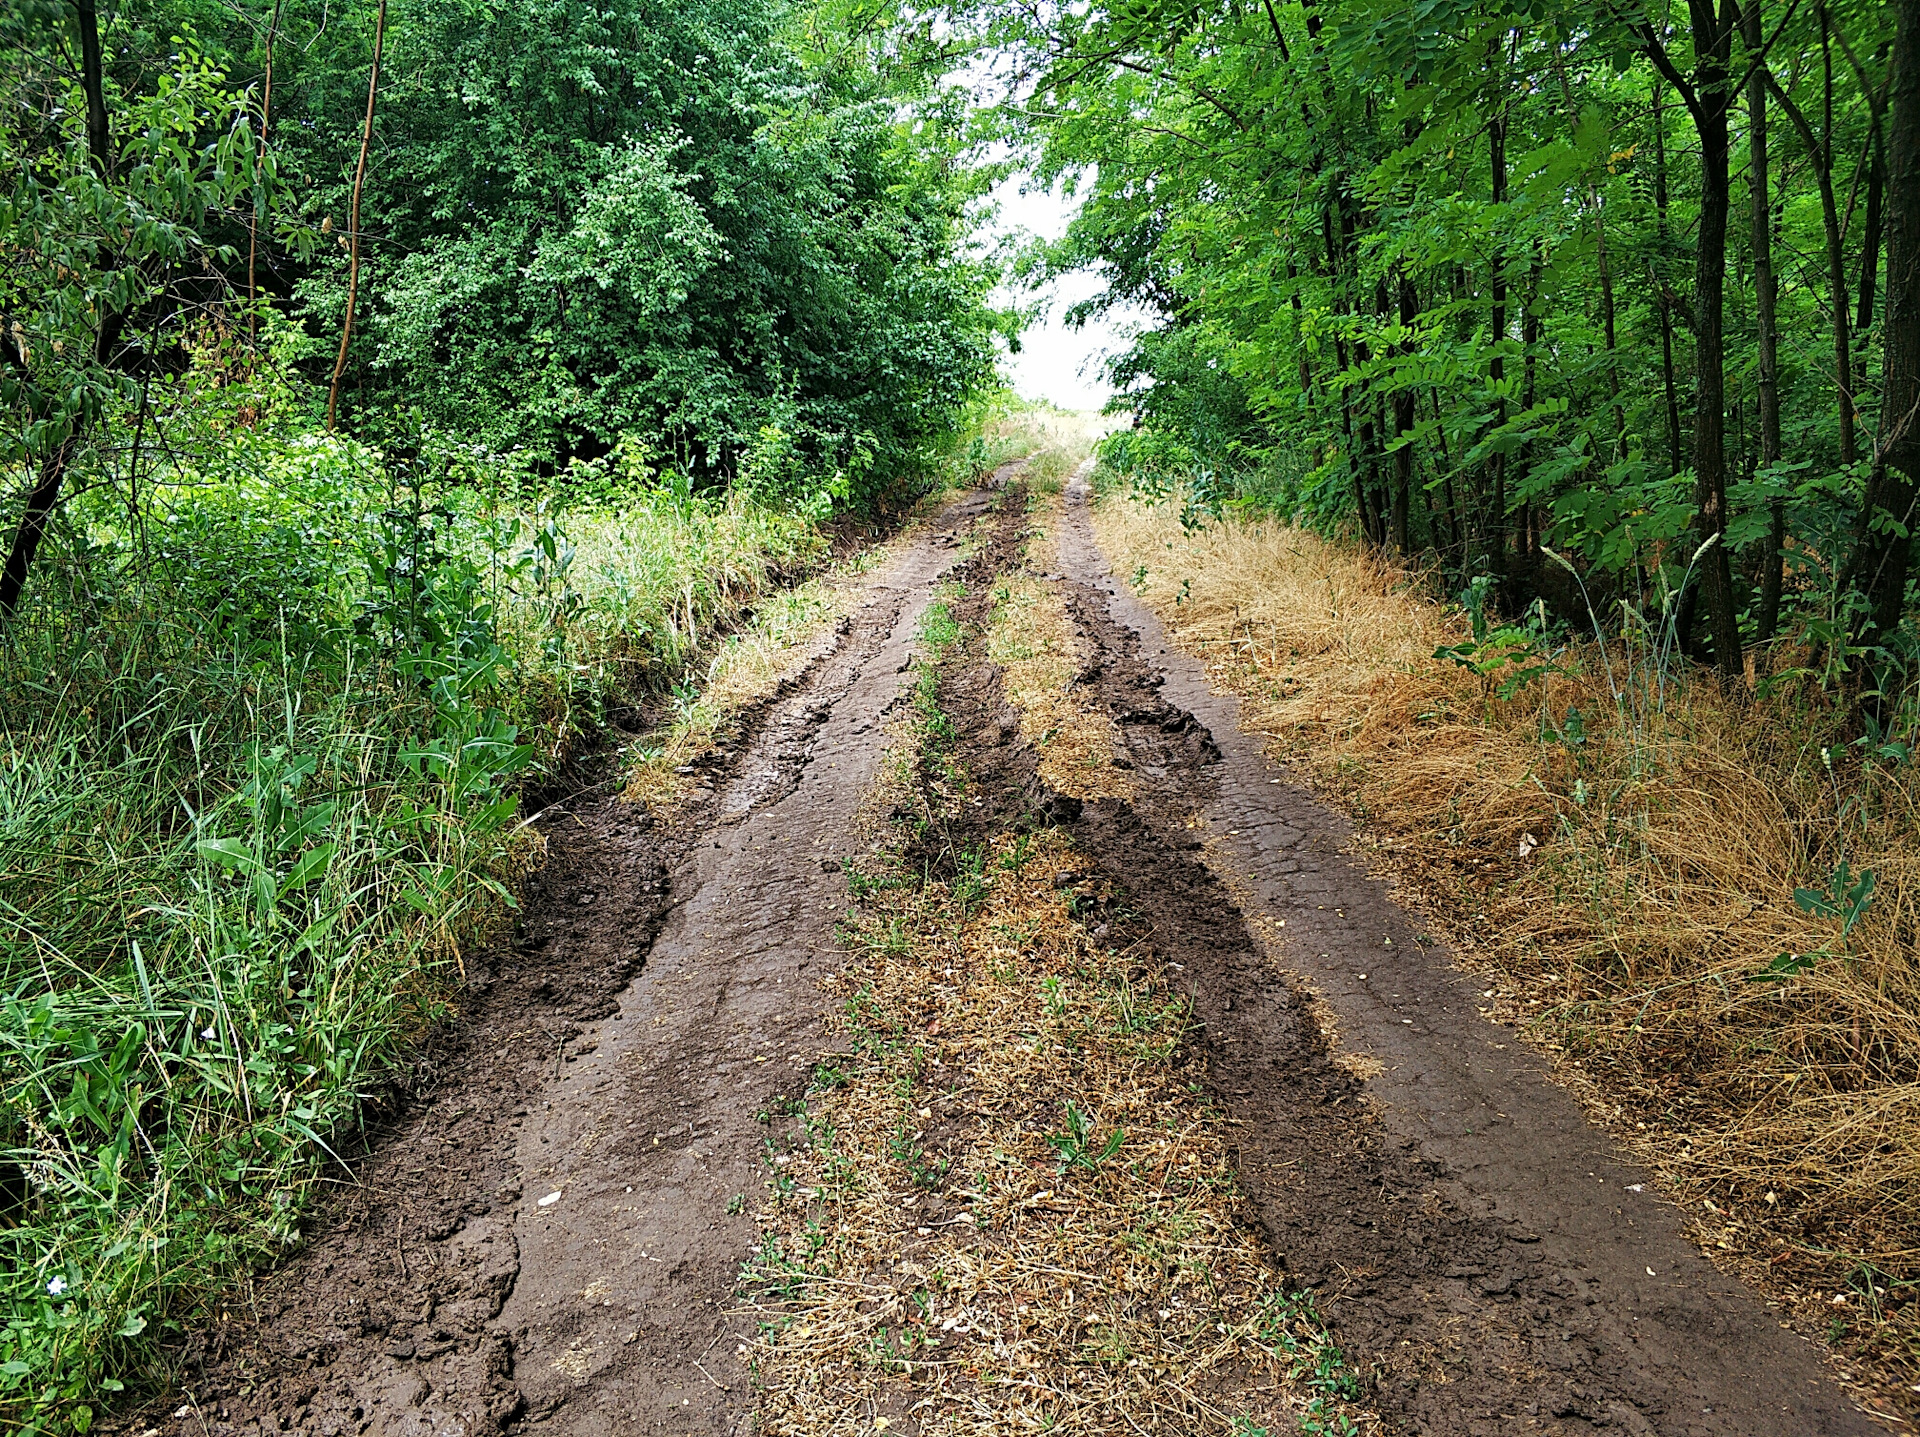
(618,1069)
(1500,1266)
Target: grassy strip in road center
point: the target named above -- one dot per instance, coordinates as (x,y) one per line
(1007,1204)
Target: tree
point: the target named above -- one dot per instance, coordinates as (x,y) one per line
(1882,537)
(100,230)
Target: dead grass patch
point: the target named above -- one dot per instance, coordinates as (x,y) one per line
(1006,1205)
(1034,644)
(1622,870)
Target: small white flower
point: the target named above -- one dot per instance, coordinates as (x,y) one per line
(209,1034)
(1527,844)
(56,1286)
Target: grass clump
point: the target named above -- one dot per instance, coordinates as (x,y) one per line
(1702,902)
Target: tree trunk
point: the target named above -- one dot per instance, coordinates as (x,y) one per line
(353,222)
(1404,400)
(260,164)
(1454,523)
(1821,158)
(1880,557)
(1530,369)
(1870,254)
(1497,367)
(1666,310)
(1765,295)
(53,466)
(1337,281)
(1712,37)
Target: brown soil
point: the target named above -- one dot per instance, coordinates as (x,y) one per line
(1480,1246)
(548,1241)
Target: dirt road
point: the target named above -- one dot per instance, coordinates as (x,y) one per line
(1481,1242)
(551,1243)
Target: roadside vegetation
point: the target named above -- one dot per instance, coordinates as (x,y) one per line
(1700,905)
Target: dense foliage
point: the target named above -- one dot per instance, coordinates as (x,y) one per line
(1503,281)
(585,221)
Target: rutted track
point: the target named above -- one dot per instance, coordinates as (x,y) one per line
(444,1296)
(552,1245)
(1482,1246)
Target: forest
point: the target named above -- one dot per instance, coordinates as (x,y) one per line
(405,401)
(1502,285)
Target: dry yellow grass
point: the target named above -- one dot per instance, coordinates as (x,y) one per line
(1032,640)
(1621,890)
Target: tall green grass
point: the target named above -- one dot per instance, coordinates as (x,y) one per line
(262,740)
(259,767)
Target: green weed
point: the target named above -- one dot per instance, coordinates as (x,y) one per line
(1076,1148)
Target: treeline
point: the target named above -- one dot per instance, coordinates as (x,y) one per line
(727,232)
(1632,286)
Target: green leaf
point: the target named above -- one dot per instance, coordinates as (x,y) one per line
(311,865)
(1812,900)
(229,853)
(1787,965)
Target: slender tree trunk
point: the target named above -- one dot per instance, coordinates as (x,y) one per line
(1822,160)
(1404,400)
(1454,522)
(1607,324)
(260,164)
(1765,295)
(1666,310)
(1346,265)
(1497,545)
(1530,370)
(1602,260)
(353,222)
(1870,254)
(1712,37)
(53,465)
(1293,293)
(1337,280)
(1880,555)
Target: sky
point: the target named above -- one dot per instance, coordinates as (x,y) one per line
(1057,362)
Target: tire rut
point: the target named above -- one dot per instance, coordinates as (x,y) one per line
(1481,1247)
(614,1055)
(631,1222)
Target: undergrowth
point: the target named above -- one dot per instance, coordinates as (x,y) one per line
(264,736)
(258,796)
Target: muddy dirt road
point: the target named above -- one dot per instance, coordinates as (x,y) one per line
(1478,1239)
(550,1243)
